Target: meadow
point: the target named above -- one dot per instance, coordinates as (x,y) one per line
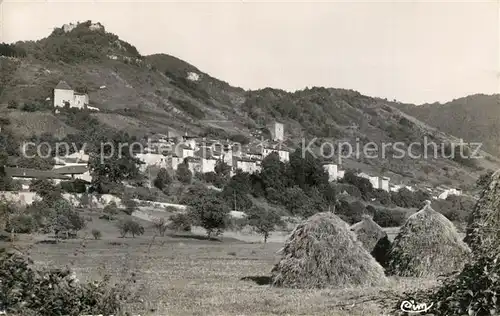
(186,274)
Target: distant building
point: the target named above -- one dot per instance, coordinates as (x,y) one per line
(33,174)
(65,95)
(246,165)
(277,131)
(151,159)
(284,155)
(384,183)
(75,172)
(444,195)
(332,171)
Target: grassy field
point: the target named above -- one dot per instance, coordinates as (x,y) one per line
(189,275)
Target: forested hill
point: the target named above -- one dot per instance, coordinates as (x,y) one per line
(152,94)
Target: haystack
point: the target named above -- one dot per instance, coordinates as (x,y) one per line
(373,238)
(483,229)
(428,245)
(323,252)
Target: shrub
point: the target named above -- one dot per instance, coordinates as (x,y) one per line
(12,104)
(75,186)
(96,234)
(350,212)
(180,222)
(25,290)
(472,292)
(22,224)
(389,217)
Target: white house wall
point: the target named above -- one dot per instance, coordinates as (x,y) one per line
(62,96)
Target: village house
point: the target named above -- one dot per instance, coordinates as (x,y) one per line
(151,159)
(447,192)
(384,183)
(194,164)
(75,172)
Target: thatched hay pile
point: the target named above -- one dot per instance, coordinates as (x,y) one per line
(323,252)
(483,229)
(427,245)
(373,238)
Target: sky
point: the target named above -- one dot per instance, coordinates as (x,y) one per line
(416,52)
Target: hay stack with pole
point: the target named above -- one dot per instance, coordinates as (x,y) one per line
(373,238)
(323,252)
(428,245)
(483,229)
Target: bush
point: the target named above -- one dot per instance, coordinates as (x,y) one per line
(406,198)
(25,290)
(390,218)
(350,189)
(350,212)
(473,291)
(22,224)
(180,222)
(96,233)
(75,186)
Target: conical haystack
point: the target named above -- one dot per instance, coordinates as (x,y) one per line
(483,229)
(427,245)
(373,238)
(323,252)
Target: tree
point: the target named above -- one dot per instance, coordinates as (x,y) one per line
(211,213)
(162,180)
(130,204)
(264,221)
(484,180)
(306,171)
(160,225)
(364,185)
(112,161)
(65,218)
(223,170)
(46,190)
(180,222)
(111,209)
(130,226)
(273,173)
(183,173)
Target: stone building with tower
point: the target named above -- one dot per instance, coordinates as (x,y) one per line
(277,131)
(65,95)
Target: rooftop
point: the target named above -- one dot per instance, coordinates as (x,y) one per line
(72,170)
(34,173)
(63,85)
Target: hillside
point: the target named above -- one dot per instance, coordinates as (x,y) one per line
(474,118)
(152,94)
